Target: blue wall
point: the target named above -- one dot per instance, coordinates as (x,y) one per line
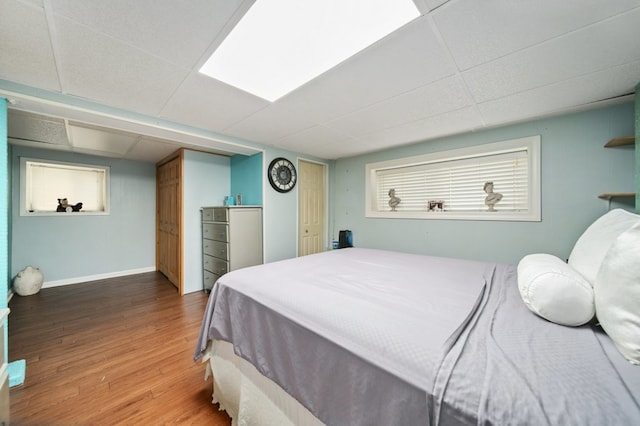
(4,210)
(4,219)
(280,213)
(246,178)
(575,168)
(72,247)
(206,181)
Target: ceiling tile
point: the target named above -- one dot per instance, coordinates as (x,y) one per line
(38,3)
(26,55)
(434,4)
(268,124)
(204,102)
(171,30)
(99,140)
(36,128)
(581,52)
(477,32)
(320,141)
(151,150)
(107,71)
(436,98)
(422,6)
(562,96)
(407,59)
(450,123)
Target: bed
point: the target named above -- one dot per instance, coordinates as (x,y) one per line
(371,337)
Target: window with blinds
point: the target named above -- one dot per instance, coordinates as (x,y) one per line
(460,184)
(42,183)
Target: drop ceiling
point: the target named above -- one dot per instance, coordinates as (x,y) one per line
(462,66)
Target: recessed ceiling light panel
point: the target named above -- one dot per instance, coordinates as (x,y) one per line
(280,45)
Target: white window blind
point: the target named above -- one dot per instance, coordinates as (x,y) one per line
(451,184)
(44,182)
(458,183)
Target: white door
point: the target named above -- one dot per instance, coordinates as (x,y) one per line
(310,208)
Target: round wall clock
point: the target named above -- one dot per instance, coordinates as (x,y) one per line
(282,175)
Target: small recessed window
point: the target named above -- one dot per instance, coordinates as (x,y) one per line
(498,181)
(59,188)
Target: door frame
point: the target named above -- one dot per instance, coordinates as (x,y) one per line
(325,213)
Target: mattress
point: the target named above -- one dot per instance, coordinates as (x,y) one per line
(362,336)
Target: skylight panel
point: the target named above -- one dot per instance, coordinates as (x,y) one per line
(279,45)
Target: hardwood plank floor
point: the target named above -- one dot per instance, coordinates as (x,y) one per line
(116,351)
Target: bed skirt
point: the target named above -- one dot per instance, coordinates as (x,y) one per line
(247,396)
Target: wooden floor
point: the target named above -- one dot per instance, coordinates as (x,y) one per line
(115,351)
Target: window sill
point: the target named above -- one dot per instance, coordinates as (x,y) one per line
(63,214)
(492,216)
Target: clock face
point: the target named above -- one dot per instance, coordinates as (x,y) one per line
(282,175)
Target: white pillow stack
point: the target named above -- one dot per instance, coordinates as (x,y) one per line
(592,246)
(603,273)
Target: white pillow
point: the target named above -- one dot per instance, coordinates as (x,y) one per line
(554,290)
(617,294)
(593,244)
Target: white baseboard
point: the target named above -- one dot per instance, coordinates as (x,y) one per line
(78,280)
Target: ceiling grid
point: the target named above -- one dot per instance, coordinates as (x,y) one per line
(461,66)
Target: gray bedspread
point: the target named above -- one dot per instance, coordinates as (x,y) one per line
(370,337)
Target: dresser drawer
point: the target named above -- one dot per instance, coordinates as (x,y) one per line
(207,214)
(218,249)
(215,231)
(220,214)
(215,265)
(209,280)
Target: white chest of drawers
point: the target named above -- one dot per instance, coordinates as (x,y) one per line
(231,239)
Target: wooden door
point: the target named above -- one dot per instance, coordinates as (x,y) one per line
(169,219)
(310,208)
